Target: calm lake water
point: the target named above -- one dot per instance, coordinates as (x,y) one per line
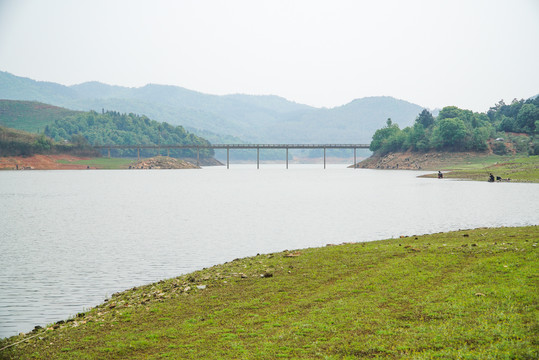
(69,239)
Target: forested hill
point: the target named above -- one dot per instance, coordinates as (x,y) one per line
(250,118)
(456,129)
(92,128)
(112,127)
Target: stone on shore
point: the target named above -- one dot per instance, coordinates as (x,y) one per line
(163,162)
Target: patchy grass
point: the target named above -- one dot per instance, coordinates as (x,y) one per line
(102,162)
(468,294)
(517,169)
(480,162)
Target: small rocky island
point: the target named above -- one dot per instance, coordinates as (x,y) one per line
(162,162)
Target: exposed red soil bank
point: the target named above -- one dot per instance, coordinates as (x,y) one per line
(40,162)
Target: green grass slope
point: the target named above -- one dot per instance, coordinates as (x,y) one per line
(524,169)
(478,168)
(467,295)
(30,116)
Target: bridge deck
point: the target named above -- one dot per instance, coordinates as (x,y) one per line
(240,146)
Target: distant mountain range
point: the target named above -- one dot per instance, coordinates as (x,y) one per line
(264,119)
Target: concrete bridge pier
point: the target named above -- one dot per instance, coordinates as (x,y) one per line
(287,158)
(198,156)
(138,154)
(228,158)
(258,158)
(324,158)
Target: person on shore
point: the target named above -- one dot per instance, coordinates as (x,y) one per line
(440,175)
(491,178)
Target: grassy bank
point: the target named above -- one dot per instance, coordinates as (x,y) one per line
(466,294)
(102,162)
(524,169)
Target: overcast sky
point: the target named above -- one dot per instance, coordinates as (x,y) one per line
(435,53)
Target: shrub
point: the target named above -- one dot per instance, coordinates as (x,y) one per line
(499,148)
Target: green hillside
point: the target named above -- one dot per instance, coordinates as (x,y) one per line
(30,116)
(67,127)
(114,128)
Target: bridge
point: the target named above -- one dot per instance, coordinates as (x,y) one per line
(238,146)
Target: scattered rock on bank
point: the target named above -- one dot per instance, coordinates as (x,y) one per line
(162,162)
(416,160)
(205,161)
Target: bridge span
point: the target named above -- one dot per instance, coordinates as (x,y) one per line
(239,146)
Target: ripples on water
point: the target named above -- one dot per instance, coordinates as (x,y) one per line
(69,239)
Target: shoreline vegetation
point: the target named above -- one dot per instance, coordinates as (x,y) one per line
(464,142)
(461,294)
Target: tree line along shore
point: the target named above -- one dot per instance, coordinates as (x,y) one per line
(468,144)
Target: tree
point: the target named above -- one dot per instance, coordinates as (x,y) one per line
(449,112)
(416,135)
(506,124)
(425,118)
(381,136)
(42,143)
(534,149)
(80,141)
(499,148)
(450,133)
(479,139)
(453,112)
(526,118)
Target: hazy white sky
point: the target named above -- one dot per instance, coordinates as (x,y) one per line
(468,53)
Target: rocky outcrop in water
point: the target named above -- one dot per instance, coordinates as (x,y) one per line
(162,162)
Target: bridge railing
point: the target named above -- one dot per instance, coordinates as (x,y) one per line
(238,146)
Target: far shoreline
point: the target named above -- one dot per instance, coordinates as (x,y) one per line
(71,162)
(463,166)
(460,165)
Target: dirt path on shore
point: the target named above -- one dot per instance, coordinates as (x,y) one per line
(40,162)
